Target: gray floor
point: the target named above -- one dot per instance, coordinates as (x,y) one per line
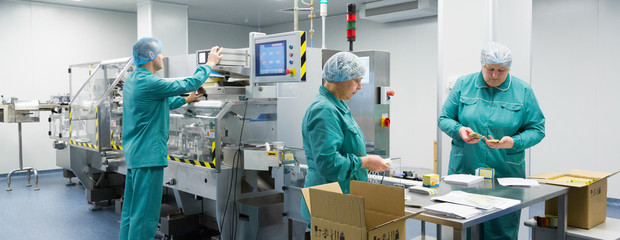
(61,212)
(55,211)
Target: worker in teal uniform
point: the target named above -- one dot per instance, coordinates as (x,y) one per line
(333,142)
(147,100)
(499,106)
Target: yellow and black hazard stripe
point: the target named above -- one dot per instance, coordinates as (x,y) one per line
(88,145)
(70,115)
(193,162)
(303,55)
(112,141)
(97,124)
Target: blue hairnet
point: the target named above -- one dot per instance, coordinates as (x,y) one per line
(343,66)
(145,50)
(495,53)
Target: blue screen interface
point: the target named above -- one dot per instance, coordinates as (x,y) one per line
(271,58)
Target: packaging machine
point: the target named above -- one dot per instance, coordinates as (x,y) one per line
(236,160)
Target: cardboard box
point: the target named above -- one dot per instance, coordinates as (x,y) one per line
(370,212)
(587,203)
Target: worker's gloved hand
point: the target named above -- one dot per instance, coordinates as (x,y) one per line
(193,97)
(214,56)
(374,163)
(505,142)
(465,134)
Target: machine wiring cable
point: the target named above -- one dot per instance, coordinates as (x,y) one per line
(245,111)
(233,178)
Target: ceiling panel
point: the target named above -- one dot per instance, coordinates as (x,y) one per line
(254,13)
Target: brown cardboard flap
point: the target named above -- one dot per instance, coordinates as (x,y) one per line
(546,175)
(565,184)
(590,174)
(331,187)
(374,218)
(403,218)
(338,207)
(549,177)
(380,198)
(305,193)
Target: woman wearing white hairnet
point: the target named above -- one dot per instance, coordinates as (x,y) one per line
(334,144)
(496,104)
(147,100)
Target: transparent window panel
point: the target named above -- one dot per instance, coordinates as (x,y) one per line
(59,125)
(193,136)
(96,95)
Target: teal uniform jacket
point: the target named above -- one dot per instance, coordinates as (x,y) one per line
(147,100)
(509,109)
(333,143)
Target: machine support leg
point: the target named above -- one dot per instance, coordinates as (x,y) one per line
(21,165)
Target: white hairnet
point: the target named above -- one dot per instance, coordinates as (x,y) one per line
(145,50)
(495,53)
(343,66)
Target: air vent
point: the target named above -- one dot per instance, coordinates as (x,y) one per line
(398,10)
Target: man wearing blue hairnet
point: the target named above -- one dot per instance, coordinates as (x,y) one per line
(147,100)
(334,144)
(496,104)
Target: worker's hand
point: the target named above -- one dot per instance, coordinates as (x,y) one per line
(193,97)
(374,163)
(201,90)
(465,133)
(214,56)
(505,142)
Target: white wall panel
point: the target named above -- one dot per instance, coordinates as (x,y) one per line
(204,35)
(38,43)
(574,73)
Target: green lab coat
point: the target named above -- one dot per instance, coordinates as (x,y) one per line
(509,109)
(333,143)
(147,100)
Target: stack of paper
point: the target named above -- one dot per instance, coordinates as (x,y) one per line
(477,200)
(463,179)
(452,210)
(519,182)
(423,190)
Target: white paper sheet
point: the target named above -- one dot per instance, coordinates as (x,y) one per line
(463,179)
(477,200)
(518,182)
(452,210)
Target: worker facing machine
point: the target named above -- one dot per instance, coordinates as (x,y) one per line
(147,100)
(492,102)
(333,142)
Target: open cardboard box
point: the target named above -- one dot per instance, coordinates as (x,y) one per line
(371,211)
(587,203)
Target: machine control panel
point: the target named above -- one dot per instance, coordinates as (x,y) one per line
(279,58)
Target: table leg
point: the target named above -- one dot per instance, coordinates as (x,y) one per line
(438,232)
(459,234)
(562,221)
